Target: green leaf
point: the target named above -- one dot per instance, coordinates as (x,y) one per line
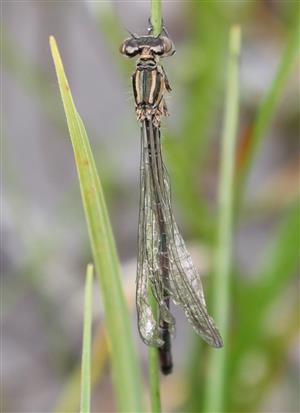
(126,375)
(85,404)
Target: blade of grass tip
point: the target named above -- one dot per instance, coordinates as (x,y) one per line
(85,404)
(268,107)
(126,375)
(214,391)
(153,356)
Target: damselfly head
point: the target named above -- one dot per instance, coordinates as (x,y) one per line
(159,46)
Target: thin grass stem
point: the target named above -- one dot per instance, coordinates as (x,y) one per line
(85,405)
(214,392)
(154,375)
(156,17)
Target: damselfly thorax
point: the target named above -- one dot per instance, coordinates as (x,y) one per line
(149,86)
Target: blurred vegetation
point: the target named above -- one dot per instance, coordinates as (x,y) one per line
(264,301)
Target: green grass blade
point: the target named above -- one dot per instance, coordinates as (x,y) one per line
(154,380)
(154,373)
(268,105)
(126,375)
(156,19)
(85,405)
(214,396)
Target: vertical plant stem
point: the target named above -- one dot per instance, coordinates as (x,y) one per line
(156,17)
(214,394)
(153,356)
(154,369)
(85,404)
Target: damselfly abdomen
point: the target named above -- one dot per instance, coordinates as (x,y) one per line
(164,265)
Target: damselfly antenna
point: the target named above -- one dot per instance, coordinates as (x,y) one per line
(133,35)
(164,30)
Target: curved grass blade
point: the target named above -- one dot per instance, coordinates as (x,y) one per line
(126,376)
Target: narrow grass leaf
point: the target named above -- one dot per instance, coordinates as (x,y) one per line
(85,404)
(214,395)
(126,375)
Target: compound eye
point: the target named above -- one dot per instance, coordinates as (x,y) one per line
(129,47)
(168,46)
(158,49)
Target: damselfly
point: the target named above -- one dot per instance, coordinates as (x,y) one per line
(164,265)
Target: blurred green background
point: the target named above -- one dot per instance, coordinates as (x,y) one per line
(45,247)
